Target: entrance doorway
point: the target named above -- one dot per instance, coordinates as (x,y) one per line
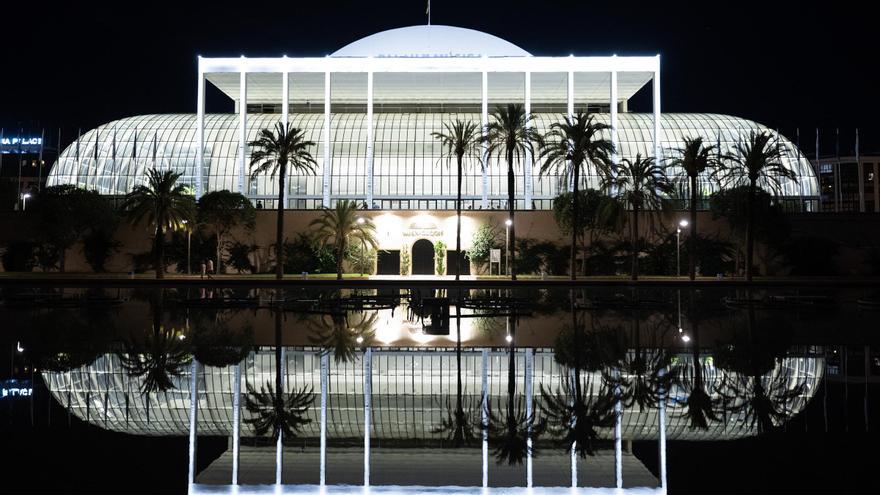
(423,257)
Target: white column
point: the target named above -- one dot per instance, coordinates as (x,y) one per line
(328,166)
(368,392)
(325,372)
(574,473)
(618,427)
(279,444)
(242,129)
(200,130)
(661,426)
(530,366)
(236,420)
(193,418)
(285,119)
(484,121)
(484,416)
(570,112)
(370,139)
(658,157)
(527,178)
(613,112)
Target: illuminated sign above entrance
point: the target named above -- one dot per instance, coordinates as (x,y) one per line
(20,144)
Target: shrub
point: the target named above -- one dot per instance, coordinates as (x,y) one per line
(440,258)
(301,255)
(239,256)
(485,238)
(19,257)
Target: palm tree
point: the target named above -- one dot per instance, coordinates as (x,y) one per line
(510,433)
(574,146)
(511,135)
(757,160)
(342,336)
(273,409)
(643,185)
(694,159)
(458,424)
(165,204)
(274,152)
(460,139)
(340,227)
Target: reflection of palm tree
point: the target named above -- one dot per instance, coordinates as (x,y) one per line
(702,402)
(510,434)
(272,408)
(343,336)
(215,343)
(643,369)
(458,425)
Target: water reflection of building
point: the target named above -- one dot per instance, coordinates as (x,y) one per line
(410,392)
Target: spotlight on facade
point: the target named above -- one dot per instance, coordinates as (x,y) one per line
(509,338)
(683,223)
(685,338)
(360,220)
(508,222)
(359,339)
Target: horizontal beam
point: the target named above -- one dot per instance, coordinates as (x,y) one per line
(427,64)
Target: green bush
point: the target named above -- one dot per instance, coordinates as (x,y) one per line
(19,257)
(440,258)
(239,256)
(485,238)
(301,255)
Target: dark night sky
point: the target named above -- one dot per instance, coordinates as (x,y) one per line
(784,64)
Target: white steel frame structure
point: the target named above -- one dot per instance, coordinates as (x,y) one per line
(483,67)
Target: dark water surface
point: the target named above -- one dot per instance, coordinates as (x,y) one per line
(763,390)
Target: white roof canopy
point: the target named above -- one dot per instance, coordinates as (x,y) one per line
(430,64)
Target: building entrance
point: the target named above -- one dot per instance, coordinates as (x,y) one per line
(423,257)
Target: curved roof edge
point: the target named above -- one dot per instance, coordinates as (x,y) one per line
(430,41)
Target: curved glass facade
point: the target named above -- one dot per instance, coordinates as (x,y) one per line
(409,168)
(411,391)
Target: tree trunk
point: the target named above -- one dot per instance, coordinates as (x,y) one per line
(279,234)
(634,240)
(160,251)
(511,195)
(279,382)
(575,224)
(219,243)
(340,251)
(459,410)
(750,231)
(692,237)
(511,371)
(62,260)
(458,229)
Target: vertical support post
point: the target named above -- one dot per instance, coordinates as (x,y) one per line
(618,433)
(236,420)
(370,139)
(325,374)
(242,127)
(661,426)
(368,392)
(818,169)
(328,166)
(613,123)
(570,112)
(658,157)
(285,119)
(484,416)
(484,121)
(574,472)
(530,371)
(527,178)
(200,130)
(193,417)
(279,444)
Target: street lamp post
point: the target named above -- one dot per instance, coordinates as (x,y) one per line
(24,198)
(681,225)
(507,224)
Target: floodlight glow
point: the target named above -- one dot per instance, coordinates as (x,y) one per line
(360,220)
(508,222)
(18,347)
(26,195)
(683,223)
(359,339)
(685,338)
(509,338)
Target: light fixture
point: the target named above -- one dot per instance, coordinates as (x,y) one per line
(18,347)
(683,223)
(181,337)
(360,220)
(359,339)
(26,196)
(685,338)
(508,222)
(509,338)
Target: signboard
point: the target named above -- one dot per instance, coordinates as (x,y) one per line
(494,256)
(12,388)
(20,144)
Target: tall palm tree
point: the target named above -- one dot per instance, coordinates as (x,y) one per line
(574,146)
(510,135)
(274,410)
(643,185)
(458,424)
(755,163)
(164,204)
(340,227)
(694,159)
(275,152)
(460,139)
(510,432)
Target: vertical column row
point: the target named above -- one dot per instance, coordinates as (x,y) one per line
(328,166)
(285,120)
(370,139)
(200,130)
(242,128)
(529,159)
(484,121)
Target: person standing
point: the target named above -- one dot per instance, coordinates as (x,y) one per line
(203,269)
(210,267)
